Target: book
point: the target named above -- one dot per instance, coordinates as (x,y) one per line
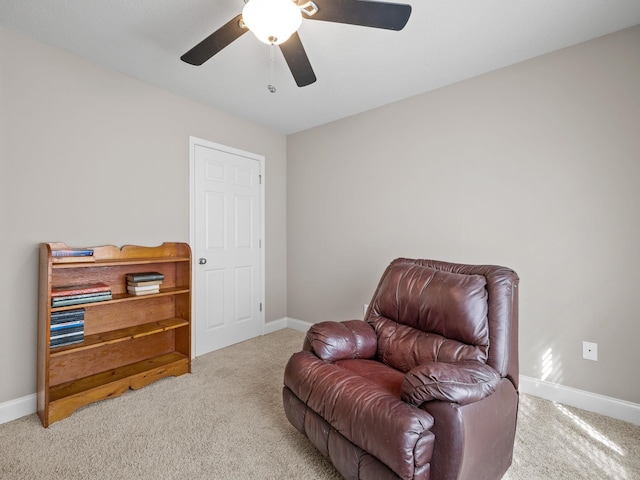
(64,343)
(81,295)
(67,340)
(62,302)
(64,320)
(67,316)
(143,288)
(143,292)
(59,327)
(63,332)
(72,252)
(144,276)
(86,259)
(79,289)
(144,284)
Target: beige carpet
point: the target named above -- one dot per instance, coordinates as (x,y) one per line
(225,421)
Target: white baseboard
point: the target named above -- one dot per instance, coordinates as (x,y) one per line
(17,408)
(593,402)
(286,322)
(275,325)
(296,324)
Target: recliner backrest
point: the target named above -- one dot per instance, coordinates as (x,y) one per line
(426,310)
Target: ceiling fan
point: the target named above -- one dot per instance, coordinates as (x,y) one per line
(276,22)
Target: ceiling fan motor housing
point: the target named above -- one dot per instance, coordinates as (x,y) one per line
(272,21)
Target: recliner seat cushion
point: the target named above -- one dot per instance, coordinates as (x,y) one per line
(384,376)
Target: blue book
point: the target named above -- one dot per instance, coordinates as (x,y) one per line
(79,295)
(65,332)
(58,327)
(72,252)
(61,341)
(63,302)
(67,316)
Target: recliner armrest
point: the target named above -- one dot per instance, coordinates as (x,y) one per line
(333,341)
(462,383)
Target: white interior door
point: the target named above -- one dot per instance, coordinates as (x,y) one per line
(227,246)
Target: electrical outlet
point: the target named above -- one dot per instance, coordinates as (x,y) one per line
(590,351)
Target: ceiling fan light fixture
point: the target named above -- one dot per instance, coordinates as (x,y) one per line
(272,21)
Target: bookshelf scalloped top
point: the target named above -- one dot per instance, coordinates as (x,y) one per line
(106,253)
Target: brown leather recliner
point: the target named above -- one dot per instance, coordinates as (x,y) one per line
(425,387)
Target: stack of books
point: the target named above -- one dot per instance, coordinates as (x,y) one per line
(77,294)
(144,283)
(67,327)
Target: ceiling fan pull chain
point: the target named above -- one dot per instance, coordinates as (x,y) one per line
(270,87)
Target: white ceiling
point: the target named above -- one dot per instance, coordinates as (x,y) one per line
(358,68)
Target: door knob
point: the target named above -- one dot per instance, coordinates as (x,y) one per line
(202,261)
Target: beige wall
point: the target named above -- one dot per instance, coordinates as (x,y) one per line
(92,157)
(535,167)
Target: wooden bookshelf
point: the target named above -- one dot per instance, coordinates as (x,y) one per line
(129,341)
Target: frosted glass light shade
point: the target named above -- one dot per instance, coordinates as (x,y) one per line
(272,21)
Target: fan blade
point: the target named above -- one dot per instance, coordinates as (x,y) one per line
(215,42)
(298,61)
(390,16)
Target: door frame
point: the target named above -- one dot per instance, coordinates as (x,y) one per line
(193,141)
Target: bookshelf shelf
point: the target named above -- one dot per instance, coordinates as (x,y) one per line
(125,297)
(65,398)
(127,341)
(67,263)
(121,335)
